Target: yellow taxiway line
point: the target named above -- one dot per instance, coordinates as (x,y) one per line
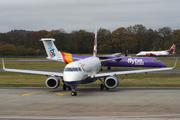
(30,93)
(64,93)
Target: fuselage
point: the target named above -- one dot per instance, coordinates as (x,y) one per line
(153,53)
(171,51)
(81,71)
(135,62)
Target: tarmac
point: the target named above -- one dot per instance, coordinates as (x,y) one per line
(90,103)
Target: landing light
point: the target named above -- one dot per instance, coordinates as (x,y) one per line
(92,76)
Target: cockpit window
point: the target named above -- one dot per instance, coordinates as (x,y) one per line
(67,69)
(155,59)
(73,69)
(79,69)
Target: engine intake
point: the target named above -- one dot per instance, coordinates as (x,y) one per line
(111,82)
(52,82)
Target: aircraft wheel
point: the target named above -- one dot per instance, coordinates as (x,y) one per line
(109,67)
(64,86)
(73,93)
(69,87)
(101,86)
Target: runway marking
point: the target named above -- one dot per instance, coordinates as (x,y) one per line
(64,93)
(31,93)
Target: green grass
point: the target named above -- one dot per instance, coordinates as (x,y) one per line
(8,79)
(33,64)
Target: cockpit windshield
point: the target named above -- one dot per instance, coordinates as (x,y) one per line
(155,59)
(73,69)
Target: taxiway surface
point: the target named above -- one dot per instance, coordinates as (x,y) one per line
(90,103)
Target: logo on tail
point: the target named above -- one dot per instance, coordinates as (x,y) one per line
(51,50)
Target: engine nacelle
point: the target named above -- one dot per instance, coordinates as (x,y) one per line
(52,82)
(111,82)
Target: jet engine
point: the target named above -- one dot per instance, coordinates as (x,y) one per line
(111,82)
(52,82)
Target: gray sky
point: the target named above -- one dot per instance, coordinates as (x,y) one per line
(71,15)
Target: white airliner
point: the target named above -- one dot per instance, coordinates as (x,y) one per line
(171,51)
(82,71)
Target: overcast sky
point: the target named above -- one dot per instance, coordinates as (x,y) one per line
(72,15)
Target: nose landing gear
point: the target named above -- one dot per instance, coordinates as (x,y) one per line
(73,93)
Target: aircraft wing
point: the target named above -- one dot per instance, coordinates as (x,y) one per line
(133,71)
(130,72)
(117,58)
(32,71)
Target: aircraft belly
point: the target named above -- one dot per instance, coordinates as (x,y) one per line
(84,81)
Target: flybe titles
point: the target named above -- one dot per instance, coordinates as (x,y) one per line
(136,61)
(51,50)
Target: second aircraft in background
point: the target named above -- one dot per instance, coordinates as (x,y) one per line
(163,53)
(116,60)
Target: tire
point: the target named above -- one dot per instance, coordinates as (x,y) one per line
(101,87)
(64,86)
(73,93)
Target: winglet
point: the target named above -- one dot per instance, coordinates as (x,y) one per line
(3,64)
(95,44)
(175,62)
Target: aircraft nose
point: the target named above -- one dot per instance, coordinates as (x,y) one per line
(72,79)
(163,64)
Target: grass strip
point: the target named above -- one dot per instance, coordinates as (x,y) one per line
(8,79)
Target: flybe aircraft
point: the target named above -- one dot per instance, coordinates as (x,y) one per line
(171,51)
(115,60)
(82,71)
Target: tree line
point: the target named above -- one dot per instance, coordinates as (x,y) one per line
(133,38)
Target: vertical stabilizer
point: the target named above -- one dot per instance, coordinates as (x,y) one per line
(95,44)
(51,50)
(172,49)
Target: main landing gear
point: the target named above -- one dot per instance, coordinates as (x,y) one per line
(109,67)
(65,87)
(102,86)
